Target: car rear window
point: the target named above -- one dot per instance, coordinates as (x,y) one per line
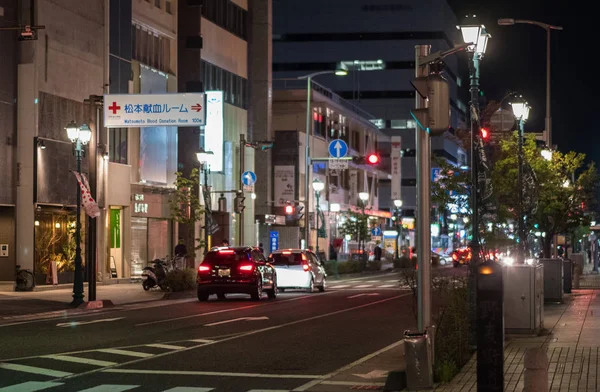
(286,259)
(222,257)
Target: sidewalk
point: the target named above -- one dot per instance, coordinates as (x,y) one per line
(572,344)
(14,304)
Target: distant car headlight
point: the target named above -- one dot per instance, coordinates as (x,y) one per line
(508,260)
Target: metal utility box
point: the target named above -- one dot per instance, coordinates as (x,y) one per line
(523,298)
(553,279)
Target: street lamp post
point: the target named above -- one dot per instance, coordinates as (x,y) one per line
(521,113)
(318,186)
(79,136)
(548,28)
(307,163)
(398,205)
(363,196)
(202,156)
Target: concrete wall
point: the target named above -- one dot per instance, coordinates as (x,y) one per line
(224,49)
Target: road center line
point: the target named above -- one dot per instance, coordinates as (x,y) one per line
(231,309)
(243,335)
(214,374)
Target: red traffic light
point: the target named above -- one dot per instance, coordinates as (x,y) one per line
(289,210)
(373,159)
(485,134)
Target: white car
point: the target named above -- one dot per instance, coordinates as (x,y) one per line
(298,269)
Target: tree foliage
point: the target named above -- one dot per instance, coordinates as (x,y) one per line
(562,193)
(186,206)
(451,188)
(357,225)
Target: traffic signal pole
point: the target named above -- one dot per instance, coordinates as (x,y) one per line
(423,147)
(242,170)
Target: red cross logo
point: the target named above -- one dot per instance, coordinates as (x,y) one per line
(114,108)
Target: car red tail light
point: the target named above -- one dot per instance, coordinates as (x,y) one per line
(305,267)
(227,251)
(286,253)
(454,256)
(246,267)
(203,268)
(304,257)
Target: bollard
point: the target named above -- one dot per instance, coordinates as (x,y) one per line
(536,370)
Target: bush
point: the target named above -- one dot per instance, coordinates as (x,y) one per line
(349,267)
(405,262)
(181,280)
(374,265)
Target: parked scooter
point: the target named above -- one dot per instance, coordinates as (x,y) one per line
(155,276)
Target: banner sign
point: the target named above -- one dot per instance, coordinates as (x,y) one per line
(396,161)
(285,184)
(151,110)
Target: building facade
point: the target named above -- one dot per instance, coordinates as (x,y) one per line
(375,41)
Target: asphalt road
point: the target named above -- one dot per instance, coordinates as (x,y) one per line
(294,342)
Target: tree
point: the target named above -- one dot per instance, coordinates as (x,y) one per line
(186,206)
(558,195)
(357,225)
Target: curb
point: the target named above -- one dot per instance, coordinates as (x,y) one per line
(104,303)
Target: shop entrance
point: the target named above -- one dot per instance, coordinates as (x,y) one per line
(116,240)
(151,239)
(7,244)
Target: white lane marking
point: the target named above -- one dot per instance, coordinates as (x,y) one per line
(268,390)
(230,310)
(363,294)
(372,281)
(214,374)
(237,319)
(165,346)
(34,370)
(339,287)
(110,388)
(189,389)
(202,341)
(373,374)
(246,334)
(75,323)
(385,286)
(311,384)
(30,386)
(363,286)
(352,383)
(125,352)
(87,361)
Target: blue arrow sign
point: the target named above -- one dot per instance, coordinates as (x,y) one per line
(376,231)
(248,178)
(338,148)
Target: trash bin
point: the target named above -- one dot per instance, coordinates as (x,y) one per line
(418,356)
(567,275)
(553,279)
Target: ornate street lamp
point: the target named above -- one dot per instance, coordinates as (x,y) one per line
(398,205)
(202,157)
(79,136)
(364,197)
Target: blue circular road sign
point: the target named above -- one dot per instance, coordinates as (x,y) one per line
(248,178)
(338,148)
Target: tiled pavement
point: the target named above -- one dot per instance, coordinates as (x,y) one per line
(572,344)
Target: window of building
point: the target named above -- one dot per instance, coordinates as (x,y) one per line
(151,48)
(117,145)
(226,14)
(234,87)
(157,3)
(168,6)
(355,142)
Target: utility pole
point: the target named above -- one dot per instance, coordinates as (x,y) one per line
(521,254)
(423,147)
(242,170)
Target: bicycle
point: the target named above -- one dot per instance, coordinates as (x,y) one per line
(25,279)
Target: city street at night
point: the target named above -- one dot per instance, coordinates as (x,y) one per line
(299,341)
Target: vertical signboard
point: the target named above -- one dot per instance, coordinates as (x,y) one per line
(274,240)
(284,179)
(213,131)
(396,162)
(115,228)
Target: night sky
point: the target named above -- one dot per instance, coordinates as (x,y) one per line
(515,60)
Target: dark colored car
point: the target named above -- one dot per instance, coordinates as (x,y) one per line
(231,270)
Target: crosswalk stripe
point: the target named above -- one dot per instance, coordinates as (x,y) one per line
(339,286)
(30,386)
(165,346)
(269,390)
(128,353)
(363,286)
(110,388)
(87,361)
(202,341)
(387,285)
(189,389)
(34,370)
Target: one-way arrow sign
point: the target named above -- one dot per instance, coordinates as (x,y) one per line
(338,148)
(197,107)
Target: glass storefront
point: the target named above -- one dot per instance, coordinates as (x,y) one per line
(150,240)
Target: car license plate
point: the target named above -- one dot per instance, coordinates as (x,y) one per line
(224,272)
